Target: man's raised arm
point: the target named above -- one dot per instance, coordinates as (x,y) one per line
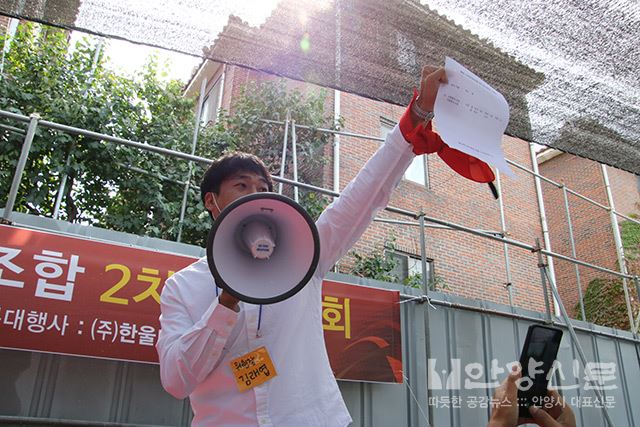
(344,221)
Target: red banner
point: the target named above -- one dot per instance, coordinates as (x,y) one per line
(76,296)
(362,332)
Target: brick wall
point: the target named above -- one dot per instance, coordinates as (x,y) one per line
(469,265)
(591,225)
(625,187)
(4,24)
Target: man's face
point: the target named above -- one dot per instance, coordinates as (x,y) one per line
(235,186)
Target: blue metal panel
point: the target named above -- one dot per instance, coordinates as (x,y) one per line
(588,415)
(143,395)
(77,387)
(629,355)
(442,353)
(607,354)
(18,374)
(570,383)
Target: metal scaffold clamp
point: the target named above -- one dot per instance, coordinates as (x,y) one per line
(420,299)
(537,249)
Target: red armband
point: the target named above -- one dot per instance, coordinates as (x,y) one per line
(425,141)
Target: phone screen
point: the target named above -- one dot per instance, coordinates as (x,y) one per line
(537,357)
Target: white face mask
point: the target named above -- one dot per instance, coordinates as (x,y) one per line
(215,203)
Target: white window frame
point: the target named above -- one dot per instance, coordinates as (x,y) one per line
(211,104)
(413,265)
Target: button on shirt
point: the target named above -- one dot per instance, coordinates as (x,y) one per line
(199,336)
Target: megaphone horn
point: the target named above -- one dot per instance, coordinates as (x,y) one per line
(263,248)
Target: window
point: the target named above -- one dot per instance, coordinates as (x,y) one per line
(211,105)
(417,170)
(409,266)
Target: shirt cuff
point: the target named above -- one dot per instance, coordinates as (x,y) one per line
(220,318)
(397,140)
(421,137)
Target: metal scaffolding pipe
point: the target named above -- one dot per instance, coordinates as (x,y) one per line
(331,131)
(543,217)
(223,76)
(65,175)
(543,278)
(425,291)
(619,248)
(510,315)
(14,116)
(579,349)
(519,244)
(283,158)
(63,184)
(294,158)
(434,226)
(22,162)
(336,139)
(127,142)
(13,129)
(194,143)
(636,280)
(505,247)
(573,252)
(423,257)
(570,191)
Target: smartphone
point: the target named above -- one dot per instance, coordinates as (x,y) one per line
(538,354)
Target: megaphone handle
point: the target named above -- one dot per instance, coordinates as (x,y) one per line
(230,301)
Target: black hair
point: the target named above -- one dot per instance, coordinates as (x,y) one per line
(225,166)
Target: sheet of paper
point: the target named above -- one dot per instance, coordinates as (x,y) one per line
(471,116)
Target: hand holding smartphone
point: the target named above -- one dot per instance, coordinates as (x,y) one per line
(538,354)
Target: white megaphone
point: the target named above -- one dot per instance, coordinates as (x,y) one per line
(263,248)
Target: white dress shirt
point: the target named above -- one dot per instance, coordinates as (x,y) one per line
(199,336)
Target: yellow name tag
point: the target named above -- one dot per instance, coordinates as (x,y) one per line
(253,369)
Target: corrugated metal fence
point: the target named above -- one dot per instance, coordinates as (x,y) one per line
(469,341)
